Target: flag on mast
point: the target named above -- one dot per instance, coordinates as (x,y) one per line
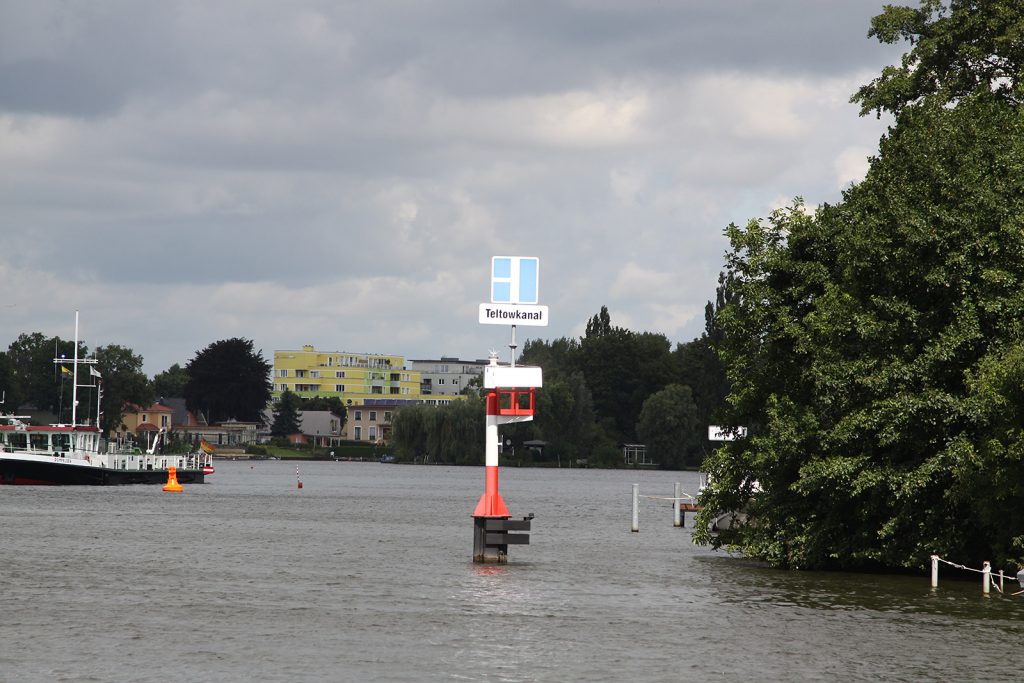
(94,372)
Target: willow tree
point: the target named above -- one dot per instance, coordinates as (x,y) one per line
(876,349)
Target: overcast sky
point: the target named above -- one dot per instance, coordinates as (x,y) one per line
(341,173)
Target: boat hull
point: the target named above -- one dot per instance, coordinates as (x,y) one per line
(25,472)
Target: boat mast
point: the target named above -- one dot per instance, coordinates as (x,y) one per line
(74,379)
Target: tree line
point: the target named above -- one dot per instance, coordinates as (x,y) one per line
(611,387)
(226,380)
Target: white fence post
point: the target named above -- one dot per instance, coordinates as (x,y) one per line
(677,504)
(986,577)
(935,571)
(636,508)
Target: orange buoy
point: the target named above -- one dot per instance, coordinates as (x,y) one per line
(172,480)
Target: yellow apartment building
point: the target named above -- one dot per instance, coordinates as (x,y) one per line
(352,377)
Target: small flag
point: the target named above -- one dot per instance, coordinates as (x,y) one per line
(94,372)
(207,448)
(64,370)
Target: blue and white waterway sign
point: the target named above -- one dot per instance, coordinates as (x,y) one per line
(515,288)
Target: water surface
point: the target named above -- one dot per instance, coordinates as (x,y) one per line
(366,574)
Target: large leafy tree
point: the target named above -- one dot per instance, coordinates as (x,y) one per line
(959,49)
(229,380)
(123,382)
(622,368)
(875,348)
(171,382)
(35,379)
(669,426)
(565,418)
(286,414)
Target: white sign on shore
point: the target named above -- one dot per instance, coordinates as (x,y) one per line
(716,433)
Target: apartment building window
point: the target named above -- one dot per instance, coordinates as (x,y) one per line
(405,390)
(163,421)
(359,415)
(405,377)
(376,390)
(440,380)
(372,433)
(283,373)
(340,388)
(393,390)
(455,381)
(339,374)
(300,373)
(358,433)
(314,374)
(387,416)
(373,416)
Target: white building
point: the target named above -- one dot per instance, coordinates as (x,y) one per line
(446,376)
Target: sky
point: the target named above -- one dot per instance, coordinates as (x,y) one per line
(341,173)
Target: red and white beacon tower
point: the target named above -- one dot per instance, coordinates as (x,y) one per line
(511,397)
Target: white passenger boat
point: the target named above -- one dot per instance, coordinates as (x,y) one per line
(77,454)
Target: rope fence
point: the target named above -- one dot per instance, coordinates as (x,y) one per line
(679,499)
(988,580)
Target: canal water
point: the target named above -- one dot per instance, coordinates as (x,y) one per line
(366,574)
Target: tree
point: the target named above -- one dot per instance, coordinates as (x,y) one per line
(874,347)
(622,369)
(123,382)
(34,376)
(960,49)
(565,418)
(286,415)
(229,380)
(452,434)
(600,325)
(669,427)
(171,382)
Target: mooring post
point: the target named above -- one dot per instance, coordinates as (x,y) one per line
(935,571)
(986,577)
(636,508)
(677,504)
(1000,580)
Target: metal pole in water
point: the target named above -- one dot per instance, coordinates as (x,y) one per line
(677,504)
(935,571)
(986,576)
(636,508)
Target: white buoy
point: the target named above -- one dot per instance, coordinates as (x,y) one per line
(986,577)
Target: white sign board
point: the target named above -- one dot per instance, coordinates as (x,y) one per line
(506,377)
(515,287)
(515,279)
(716,433)
(513,314)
